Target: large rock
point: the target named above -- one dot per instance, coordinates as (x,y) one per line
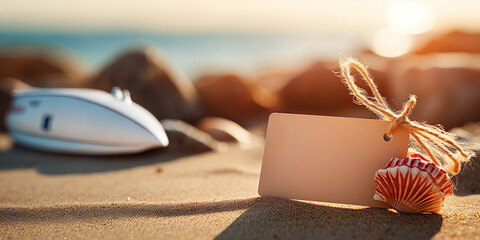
(41,69)
(452,42)
(235,98)
(153,82)
(7,86)
(318,90)
(447,87)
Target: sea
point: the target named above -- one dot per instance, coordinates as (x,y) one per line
(194,54)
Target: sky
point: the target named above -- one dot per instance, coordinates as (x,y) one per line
(223,16)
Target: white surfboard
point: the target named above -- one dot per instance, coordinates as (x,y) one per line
(83,121)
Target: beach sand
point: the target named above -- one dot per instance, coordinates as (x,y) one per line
(211,195)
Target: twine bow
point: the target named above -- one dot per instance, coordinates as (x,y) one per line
(439,145)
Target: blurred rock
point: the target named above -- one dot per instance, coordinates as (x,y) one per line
(153,83)
(41,69)
(227,131)
(452,42)
(12,84)
(314,91)
(235,98)
(7,86)
(318,90)
(185,138)
(446,85)
(275,79)
(5,101)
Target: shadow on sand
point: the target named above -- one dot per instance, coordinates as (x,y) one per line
(275,218)
(265,218)
(75,213)
(52,163)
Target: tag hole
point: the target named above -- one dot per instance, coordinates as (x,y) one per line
(387,138)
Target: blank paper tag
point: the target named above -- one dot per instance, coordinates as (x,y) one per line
(327,159)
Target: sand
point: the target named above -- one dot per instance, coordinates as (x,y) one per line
(211,195)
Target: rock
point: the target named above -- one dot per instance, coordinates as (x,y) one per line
(185,138)
(235,98)
(7,86)
(468,180)
(452,42)
(447,87)
(227,131)
(41,69)
(275,79)
(318,90)
(314,91)
(5,101)
(153,83)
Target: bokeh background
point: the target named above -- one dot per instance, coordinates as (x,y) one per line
(241,60)
(212,71)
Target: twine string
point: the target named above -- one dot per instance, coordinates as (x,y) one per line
(441,146)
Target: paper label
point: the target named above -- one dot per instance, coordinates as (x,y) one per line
(327,159)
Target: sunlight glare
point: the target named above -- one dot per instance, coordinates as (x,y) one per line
(389,43)
(411,17)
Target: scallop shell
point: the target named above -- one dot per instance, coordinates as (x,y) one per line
(412,185)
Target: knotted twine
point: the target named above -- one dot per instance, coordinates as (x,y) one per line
(441,146)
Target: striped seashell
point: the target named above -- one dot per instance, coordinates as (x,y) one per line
(412,185)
